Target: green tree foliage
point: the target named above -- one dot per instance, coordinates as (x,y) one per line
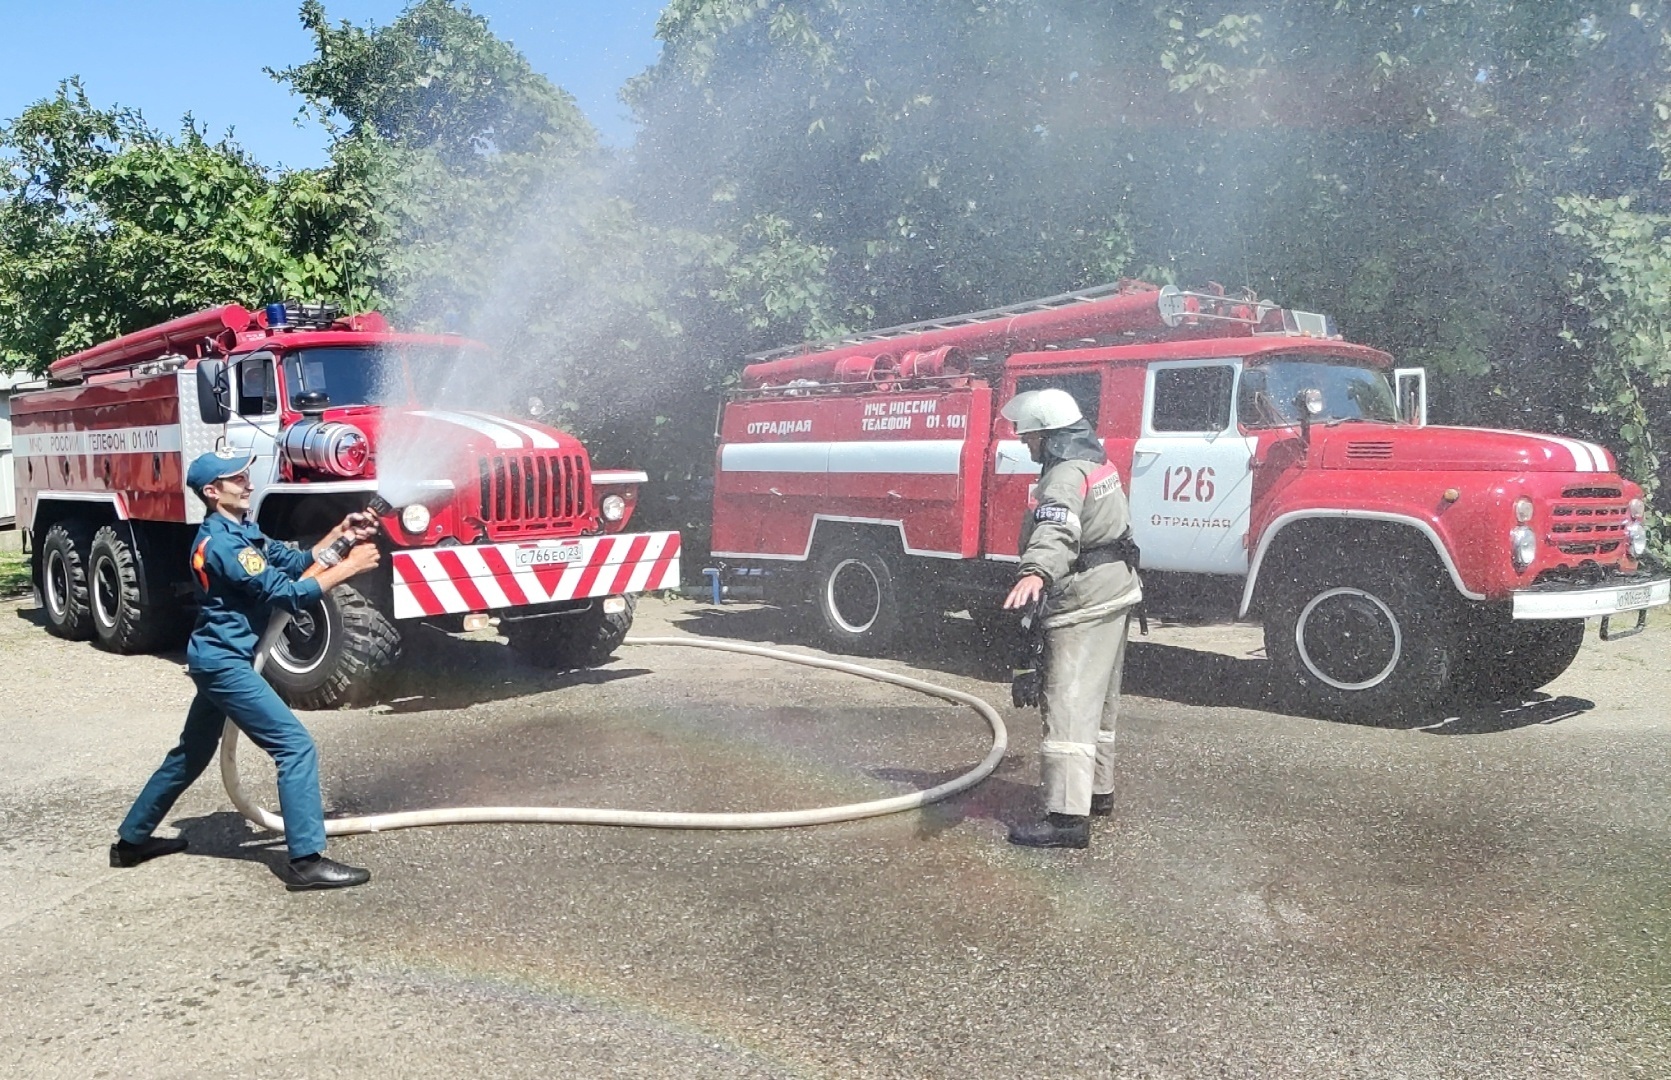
(1473,184)
(1624,289)
(107,226)
(460,133)
(498,217)
(436,79)
(891,163)
(1397,165)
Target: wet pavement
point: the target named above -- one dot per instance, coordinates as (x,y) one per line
(1476,894)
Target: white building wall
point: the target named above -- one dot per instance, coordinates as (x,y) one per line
(8,495)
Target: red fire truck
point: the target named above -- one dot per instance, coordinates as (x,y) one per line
(492,517)
(1275,472)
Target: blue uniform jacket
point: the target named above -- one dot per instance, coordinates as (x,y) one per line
(241,577)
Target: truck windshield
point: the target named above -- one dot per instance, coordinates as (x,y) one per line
(1350,392)
(380,375)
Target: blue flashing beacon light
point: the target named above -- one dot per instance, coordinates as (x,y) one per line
(277,319)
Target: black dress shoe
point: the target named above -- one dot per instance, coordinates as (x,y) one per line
(124,854)
(1102,805)
(1056,830)
(319,872)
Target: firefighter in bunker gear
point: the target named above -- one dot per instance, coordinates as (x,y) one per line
(1076,555)
(242,577)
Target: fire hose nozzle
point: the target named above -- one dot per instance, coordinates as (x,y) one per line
(377,507)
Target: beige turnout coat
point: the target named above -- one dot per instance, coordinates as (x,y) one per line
(1078,505)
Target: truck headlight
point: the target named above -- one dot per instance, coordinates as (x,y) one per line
(1637,534)
(1523,510)
(613,507)
(415,518)
(1524,543)
(1636,509)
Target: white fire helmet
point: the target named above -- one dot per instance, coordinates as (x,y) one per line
(1041,410)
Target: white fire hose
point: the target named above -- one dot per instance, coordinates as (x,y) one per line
(574,815)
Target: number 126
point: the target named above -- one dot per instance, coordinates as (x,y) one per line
(1177,482)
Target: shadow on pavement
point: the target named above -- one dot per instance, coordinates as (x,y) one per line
(996,798)
(1194,677)
(957,646)
(33,615)
(439,671)
(226,835)
(947,644)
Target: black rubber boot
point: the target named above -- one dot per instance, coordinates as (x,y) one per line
(1102,805)
(1056,830)
(124,854)
(318,872)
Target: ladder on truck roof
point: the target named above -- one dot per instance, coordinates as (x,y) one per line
(1172,303)
(1048,303)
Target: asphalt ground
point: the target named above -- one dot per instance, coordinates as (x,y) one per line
(1474,894)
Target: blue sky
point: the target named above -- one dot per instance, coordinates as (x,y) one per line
(170,57)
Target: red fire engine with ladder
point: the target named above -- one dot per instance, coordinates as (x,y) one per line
(493,518)
(1275,472)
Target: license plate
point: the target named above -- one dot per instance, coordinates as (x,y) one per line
(548,556)
(1632,598)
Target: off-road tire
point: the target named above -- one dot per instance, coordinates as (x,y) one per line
(359,645)
(1507,659)
(857,601)
(1363,641)
(121,624)
(63,584)
(566,642)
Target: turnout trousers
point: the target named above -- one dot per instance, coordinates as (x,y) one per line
(237,693)
(1081,701)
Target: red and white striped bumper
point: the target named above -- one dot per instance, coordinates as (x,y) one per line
(454,580)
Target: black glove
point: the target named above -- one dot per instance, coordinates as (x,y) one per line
(1027,684)
(1026,687)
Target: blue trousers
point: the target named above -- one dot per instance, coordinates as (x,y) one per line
(237,693)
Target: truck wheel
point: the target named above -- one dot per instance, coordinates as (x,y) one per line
(857,597)
(1362,641)
(1511,659)
(64,581)
(333,651)
(565,642)
(120,623)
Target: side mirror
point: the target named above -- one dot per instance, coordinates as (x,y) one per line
(1309,402)
(1410,386)
(214,392)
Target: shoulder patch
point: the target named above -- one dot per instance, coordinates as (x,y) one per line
(1058,514)
(251,560)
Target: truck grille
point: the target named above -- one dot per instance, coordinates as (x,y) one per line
(1588,521)
(532,494)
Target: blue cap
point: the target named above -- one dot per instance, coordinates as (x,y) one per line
(216,464)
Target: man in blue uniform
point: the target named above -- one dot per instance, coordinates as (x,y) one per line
(242,577)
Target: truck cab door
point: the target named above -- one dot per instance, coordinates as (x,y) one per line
(254,422)
(1191,473)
